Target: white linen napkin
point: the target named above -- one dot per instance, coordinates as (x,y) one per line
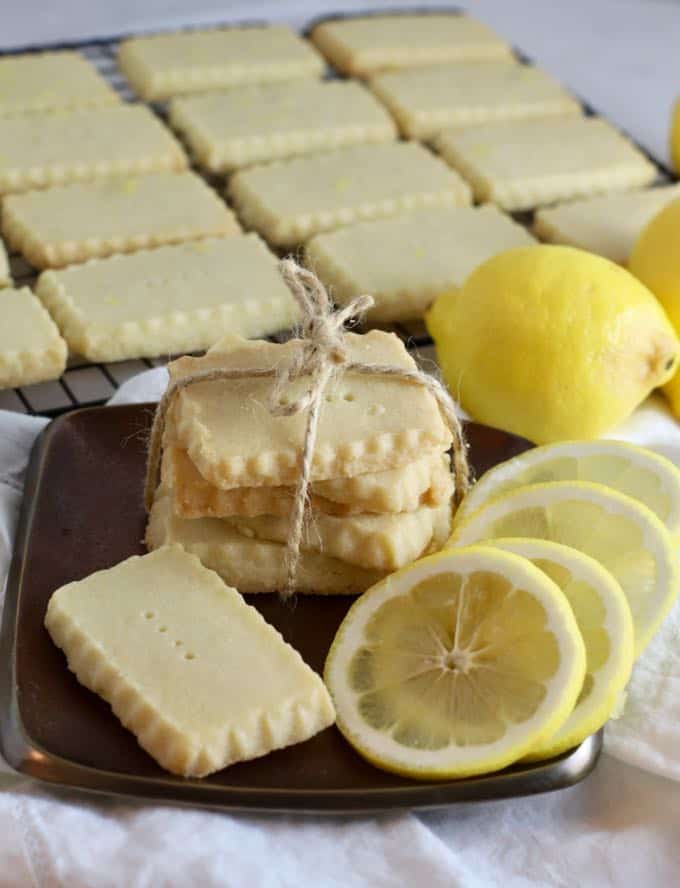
(648,733)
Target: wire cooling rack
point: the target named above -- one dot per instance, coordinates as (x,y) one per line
(86,384)
(83,384)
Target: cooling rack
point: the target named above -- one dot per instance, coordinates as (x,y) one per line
(87,384)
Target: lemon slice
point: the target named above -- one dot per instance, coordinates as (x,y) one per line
(605,623)
(635,471)
(458,664)
(623,535)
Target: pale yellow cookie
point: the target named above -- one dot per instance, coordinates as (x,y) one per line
(5,276)
(252,124)
(70,224)
(169,300)
(250,565)
(378,542)
(425,482)
(367,423)
(31,349)
(57,148)
(290,201)
(363,45)
(425,100)
(195,673)
(523,164)
(405,262)
(165,65)
(46,81)
(609,225)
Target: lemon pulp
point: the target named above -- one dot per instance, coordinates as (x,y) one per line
(634,471)
(604,621)
(619,532)
(459,664)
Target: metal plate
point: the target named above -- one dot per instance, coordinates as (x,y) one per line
(83,512)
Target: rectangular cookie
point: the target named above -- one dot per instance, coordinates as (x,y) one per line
(164,65)
(48,81)
(72,223)
(426,100)
(405,262)
(253,124)
(524,164)
(425,482)
(169,300)
(289,201)
(31,349)
(197,675)
(378,542)
(364,45)
(5,277)
(606,225)
(57,148)
(251,565)
(367,423)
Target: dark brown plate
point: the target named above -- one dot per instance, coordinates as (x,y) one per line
(83,512)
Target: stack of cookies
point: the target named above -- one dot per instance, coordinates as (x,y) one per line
(380,491)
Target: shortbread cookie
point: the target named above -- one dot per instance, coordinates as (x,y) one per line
(367,423)
(609,225)
(290,201)
(5,277)
(378,542)
(524,164)
(251,124)
(39,150)
(165,65)
(169,300)
(425,482)
(405,262)
(195,673)
(73,223)
(250,565)
(31,349)
(425,100)
(362,46)
(51,81)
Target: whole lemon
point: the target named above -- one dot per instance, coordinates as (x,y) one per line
(552,343)
(655,260)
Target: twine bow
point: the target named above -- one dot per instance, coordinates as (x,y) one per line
(321,356)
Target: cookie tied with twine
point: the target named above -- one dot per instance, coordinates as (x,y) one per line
(322,356)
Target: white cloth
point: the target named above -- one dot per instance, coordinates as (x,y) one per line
(618,827)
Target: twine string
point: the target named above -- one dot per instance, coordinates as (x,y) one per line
(321,356)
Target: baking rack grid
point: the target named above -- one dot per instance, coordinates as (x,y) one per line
(87,384)
(83,384)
